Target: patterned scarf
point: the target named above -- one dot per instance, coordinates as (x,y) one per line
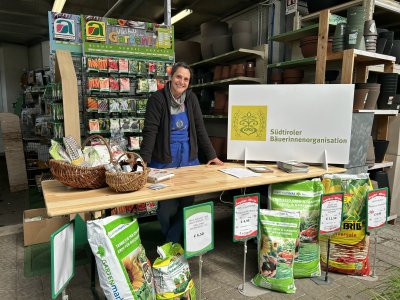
(177,104)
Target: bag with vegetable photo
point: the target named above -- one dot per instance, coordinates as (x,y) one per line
(171,272)
(350,247)
(279,231)
(305,197)
(123,268)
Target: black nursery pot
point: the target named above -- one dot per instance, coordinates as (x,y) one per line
(380,147)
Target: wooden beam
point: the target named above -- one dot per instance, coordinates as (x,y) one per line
(322,50)
(361,73)
(347,66)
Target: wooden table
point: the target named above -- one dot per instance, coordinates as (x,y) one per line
(188,181)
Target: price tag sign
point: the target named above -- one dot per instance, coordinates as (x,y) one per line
(198,229)
(331,213)
(245,216)
(291,6)
(377,205)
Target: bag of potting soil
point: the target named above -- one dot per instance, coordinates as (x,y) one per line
(279,231)
(172,278)
(349,247)
(305,197)
(123,268)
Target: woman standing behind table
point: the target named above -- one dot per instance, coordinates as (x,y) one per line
(172,135)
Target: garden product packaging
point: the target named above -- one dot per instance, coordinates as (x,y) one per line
(172,275)
(279,231)
(123,268)
(349,247)
(305,197)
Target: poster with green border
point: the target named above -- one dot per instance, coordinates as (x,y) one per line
(331,208)
(245,216)
(377,209)
(198,229)
(62,244)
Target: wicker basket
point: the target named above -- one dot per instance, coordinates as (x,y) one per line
(78,176)
(128,181)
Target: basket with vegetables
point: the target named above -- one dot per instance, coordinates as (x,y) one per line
(69,166)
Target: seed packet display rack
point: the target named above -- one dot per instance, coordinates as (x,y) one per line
(116,90)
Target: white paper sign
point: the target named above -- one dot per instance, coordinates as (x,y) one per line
(291,6)
(290,122)
(245,214)
(331,213)
(377,209)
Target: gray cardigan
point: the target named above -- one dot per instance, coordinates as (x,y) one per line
(156,130)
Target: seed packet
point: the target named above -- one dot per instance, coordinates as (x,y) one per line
(134,142)
(160,84)
(160,69)
(141,106)
(93,84)
(102,64)
(114,124)
(143,86)
(124,85)
(104,84)
(125,124)
(94,125)
(152,85)
(102,105)
(152,68)
(168,69)
(133,66)
(113,65)
(92,64)
(123,65)
(134,124)
(92,104)
(132,105)
(141,124)
(114,85)
(104,124)
(123,104)
(143,67)
(114,105)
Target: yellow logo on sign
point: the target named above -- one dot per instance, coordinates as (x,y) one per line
(249,123)
(96,31)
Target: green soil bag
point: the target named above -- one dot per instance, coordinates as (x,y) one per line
(123,268)
(172,277)
(279,231)
(305,197)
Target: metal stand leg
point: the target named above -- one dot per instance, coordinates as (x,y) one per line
(200,267)
(325,280)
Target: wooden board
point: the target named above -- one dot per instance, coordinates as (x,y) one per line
(188,181)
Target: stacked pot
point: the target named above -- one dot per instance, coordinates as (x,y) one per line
(309,45)
(215,39)
(370,35)
(388,98)
(241,35)
(385,41)
(367,98)
(355,28)
(339,38)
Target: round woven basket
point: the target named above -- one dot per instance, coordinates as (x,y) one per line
(78,176)
(128,181)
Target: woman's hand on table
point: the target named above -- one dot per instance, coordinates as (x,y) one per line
(215,161)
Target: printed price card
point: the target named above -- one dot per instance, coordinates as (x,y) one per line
(245,216)
(331,213)
(377,204)
(198,229)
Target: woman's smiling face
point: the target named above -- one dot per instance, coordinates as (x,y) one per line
(180,81)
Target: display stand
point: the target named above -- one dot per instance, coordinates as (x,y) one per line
(325,280)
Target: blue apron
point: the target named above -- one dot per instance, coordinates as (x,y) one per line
(179,144)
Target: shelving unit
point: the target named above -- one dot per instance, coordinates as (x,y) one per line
(384,164)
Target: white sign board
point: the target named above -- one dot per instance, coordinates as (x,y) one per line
(291,6)
(290,122)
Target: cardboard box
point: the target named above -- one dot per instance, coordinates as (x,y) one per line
(39,231)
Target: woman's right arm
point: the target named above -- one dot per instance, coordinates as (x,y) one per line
(150,128)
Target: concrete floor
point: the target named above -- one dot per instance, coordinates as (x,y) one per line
(222,267)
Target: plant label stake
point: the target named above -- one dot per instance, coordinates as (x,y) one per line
(330,222)
(377,212)
(245,227)
(198,228)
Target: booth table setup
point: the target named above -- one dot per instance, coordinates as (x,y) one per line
(188,181)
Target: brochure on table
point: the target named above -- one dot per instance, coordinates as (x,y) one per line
(198,221)
(290,122)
